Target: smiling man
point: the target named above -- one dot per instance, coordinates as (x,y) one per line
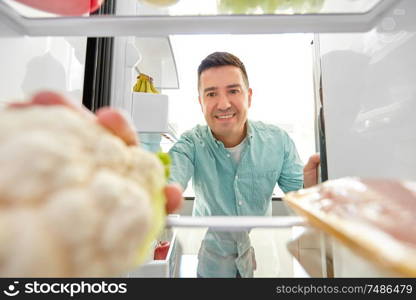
(225,99)
(234,164)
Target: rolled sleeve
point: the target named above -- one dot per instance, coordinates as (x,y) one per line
(182,168)
(291,176)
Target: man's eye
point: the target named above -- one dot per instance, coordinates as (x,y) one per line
(234,91)
(211,94)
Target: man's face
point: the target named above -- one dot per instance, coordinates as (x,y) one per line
(224,99)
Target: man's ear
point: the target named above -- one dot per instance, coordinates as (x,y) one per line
(250,93)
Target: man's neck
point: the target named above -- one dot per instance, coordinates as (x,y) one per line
(233,139)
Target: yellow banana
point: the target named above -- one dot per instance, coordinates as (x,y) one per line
(144,84)
(153,89)
(136,87)
(148,87)
(144,77)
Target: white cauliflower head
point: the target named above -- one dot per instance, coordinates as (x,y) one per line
(74,199)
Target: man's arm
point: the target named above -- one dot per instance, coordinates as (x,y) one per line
(183,157)
(291,176)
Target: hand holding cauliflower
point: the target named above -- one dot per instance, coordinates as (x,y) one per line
(75,199)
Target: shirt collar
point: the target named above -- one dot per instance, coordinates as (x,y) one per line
(219,143)
(212,139)
(249,131)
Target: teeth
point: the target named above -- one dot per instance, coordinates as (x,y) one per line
(225,117)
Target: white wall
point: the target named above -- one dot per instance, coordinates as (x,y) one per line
(29,64)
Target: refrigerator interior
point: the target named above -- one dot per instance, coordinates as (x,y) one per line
(364,85)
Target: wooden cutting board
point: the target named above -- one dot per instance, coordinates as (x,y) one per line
(375,218)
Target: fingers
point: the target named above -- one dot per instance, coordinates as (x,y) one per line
(315,158)
(310,176)
(111,119)
(114,121)
(19,104)
(47,98)
(174,199)
(313,162)
(52,98)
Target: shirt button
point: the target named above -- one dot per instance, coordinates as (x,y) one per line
(236,177)
(228,155)
(240,203)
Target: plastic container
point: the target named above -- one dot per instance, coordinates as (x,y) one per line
(168,267)
(321,255)
(150,112)
(349,264)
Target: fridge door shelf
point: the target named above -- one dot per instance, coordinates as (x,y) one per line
(168,267)
(13,23)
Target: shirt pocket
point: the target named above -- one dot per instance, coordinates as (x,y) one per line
(263,185)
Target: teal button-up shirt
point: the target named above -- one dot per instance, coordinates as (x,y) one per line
(223,187)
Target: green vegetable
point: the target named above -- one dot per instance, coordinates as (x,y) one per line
(269,6)
(166,161)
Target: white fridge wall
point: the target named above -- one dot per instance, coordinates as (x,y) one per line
(30,64)
(123,74)
(369,97)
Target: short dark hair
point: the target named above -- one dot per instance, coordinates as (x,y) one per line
(218,59)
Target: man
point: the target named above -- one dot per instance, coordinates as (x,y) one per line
(234,163)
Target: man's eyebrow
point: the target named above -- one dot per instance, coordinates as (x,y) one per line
(212,88)
(233,85)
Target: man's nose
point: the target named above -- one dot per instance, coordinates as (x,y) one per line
(223,103)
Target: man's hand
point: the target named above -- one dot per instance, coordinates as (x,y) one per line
(310,171)
(114,121)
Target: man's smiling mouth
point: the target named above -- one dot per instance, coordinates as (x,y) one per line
(227,116)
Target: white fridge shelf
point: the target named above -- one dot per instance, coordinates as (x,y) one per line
(228,223)
(14,24)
